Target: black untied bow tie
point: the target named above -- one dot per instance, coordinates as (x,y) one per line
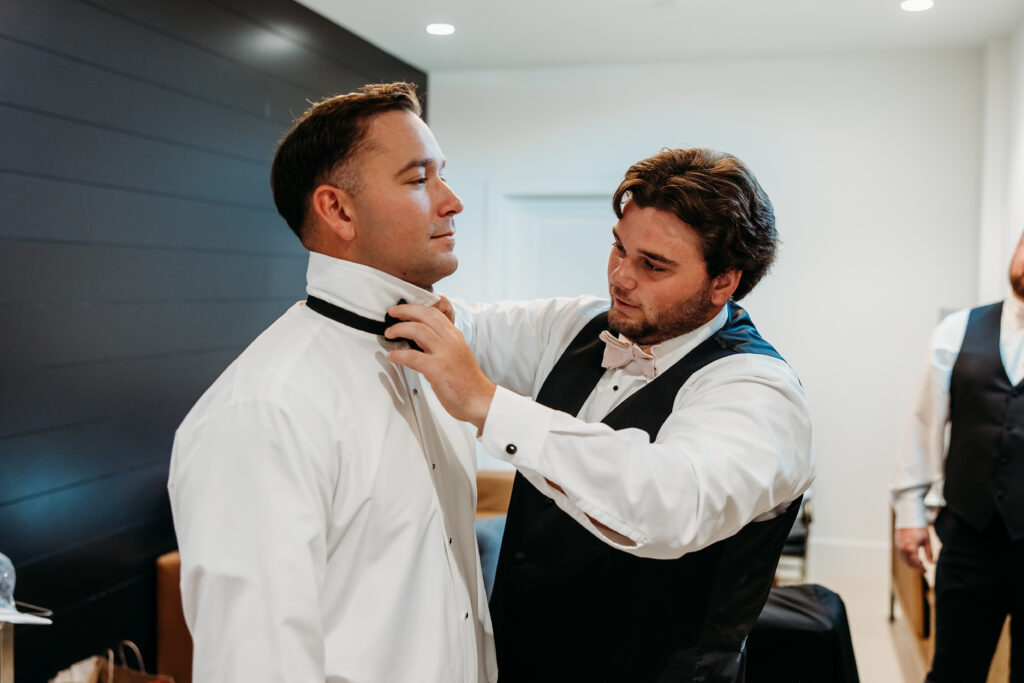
(347,317)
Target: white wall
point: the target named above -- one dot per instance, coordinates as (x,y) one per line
(873,164)
(1002,180)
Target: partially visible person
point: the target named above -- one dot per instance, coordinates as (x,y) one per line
(972,384)
(664,451)
(323,500)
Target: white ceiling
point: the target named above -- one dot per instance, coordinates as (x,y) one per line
(532,33)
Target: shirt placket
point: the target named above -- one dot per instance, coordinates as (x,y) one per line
(466,621)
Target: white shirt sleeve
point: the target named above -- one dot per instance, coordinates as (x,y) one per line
(922,457)
(249,508)
(736,447)
(517,343)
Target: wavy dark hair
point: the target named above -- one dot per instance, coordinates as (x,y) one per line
(324,140)
(716,195)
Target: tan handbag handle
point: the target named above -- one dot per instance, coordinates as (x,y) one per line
(122,655)
(110,665)
(135,649)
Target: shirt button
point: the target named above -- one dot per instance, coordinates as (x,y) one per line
(519,557)
(615,388)
(511,449)
(415,391)
(466,615)
(433,465)
(449,540)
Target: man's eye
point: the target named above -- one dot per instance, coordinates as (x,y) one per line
(617,246)
(653,268)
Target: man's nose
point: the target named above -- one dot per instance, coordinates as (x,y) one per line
(451,204)
(622,276)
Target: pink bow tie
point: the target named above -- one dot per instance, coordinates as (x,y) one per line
(618,353)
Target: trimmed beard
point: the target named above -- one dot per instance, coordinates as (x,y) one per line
(683,317)
(1017,284)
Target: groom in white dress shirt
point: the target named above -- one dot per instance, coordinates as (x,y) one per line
(323,500)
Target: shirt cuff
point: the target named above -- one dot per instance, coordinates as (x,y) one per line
(910,511)
(515,428)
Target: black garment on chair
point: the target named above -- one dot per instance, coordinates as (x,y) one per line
(802,636)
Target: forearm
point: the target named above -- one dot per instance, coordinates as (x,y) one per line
(922,454)
(517,343)
(700,482)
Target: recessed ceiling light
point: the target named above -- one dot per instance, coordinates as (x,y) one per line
(440,29)
(916,5)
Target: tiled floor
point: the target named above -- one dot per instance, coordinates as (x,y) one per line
(885,651)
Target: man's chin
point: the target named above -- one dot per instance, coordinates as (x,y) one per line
(629,328)
(446,267)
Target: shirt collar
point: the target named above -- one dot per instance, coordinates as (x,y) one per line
(671,350)
(361,289)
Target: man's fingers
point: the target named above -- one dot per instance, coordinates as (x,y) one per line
(927,545)
(427,315)
(410,358)
(422,334)
(445,306)
(912,559)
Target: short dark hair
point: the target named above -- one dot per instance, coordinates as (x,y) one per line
(324,140)
(717,196)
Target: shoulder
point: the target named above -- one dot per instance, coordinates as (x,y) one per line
(277,374)
(947,338)
(747,368)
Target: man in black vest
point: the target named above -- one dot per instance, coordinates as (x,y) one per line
(972,382)
(663,458)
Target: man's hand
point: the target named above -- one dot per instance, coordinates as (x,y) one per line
(446,361)
(445,306)
(909,542)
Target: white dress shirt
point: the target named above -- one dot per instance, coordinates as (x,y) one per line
(736,447)
(324,505)
(922,457)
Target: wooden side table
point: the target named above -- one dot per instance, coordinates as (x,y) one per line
(6,652)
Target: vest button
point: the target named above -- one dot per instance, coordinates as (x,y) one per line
(519,557)
(999,495)
(549,502)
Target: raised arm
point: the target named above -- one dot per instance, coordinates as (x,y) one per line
(516,344)
(737,447)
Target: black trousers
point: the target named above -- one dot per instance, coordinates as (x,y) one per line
(979,580)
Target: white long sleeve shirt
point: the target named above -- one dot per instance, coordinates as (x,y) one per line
(324,506)
(736,447)
(922,458)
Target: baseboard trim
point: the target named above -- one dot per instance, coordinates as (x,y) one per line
(847,557)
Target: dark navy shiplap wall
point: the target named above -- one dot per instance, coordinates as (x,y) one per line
(139,253)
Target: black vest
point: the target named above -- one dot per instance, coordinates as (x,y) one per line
(985,464)
(567,607)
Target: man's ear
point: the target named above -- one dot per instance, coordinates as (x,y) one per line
(333,206)
(723,286)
